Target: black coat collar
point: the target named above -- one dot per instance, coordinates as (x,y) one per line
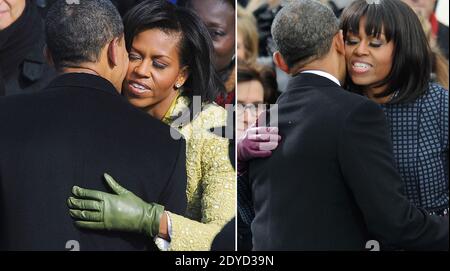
(83,80)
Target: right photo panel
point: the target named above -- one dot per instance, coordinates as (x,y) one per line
(342,125)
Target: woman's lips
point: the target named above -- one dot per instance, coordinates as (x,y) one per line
(138,88)
(360,67)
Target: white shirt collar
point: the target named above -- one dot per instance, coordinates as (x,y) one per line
(323,74)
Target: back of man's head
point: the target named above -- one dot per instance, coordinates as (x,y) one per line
(77,31)
(303,31)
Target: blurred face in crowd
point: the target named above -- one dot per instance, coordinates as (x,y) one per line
(241,54)
(250,94)
(219,18)
(422,7)
(273,3)
(368,58)
(10,11)
(153,71)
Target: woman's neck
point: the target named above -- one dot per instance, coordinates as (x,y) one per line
(372,92)
(160,109)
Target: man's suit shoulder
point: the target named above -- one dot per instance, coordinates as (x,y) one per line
(20,107)
(15,103)
(346,103)
(350,99)
(11,101)
(358,100)
(355,109)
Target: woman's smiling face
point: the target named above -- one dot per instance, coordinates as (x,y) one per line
(154,72)
(369,59)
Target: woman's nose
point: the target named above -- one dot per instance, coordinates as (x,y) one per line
(362,49)
(142,69)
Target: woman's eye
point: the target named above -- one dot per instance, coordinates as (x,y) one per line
(133,57)
(158,65)
(376,44)
(216,34)
(351,42)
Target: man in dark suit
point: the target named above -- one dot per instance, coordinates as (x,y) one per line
(331,184)
(76,130)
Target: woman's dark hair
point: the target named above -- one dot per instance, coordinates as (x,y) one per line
(411,61)
(265,75)
(195,45)
(185,3)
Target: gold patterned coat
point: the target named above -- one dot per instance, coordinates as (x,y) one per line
(211,188)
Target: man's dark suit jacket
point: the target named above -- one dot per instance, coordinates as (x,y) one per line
(70,134)
(331,183)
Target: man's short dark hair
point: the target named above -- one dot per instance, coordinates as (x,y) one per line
(303,31)
(77,32)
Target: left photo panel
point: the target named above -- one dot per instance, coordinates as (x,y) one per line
(118,124)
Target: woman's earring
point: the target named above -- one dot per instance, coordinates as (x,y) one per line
(177,85)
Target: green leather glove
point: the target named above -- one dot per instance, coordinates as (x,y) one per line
(122,211)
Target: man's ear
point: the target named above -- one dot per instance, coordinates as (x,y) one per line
(339,43)
(48,56)
(279,62)
(113,51)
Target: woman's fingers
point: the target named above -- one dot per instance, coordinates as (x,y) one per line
(87,193)
(84,204)
(268,130)
(86,215)
(262,130)
(264,137)
(268,146)
(115,186)
(255,146)
(262,154)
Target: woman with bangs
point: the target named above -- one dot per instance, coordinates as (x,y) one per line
(389,61)
(170,74)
